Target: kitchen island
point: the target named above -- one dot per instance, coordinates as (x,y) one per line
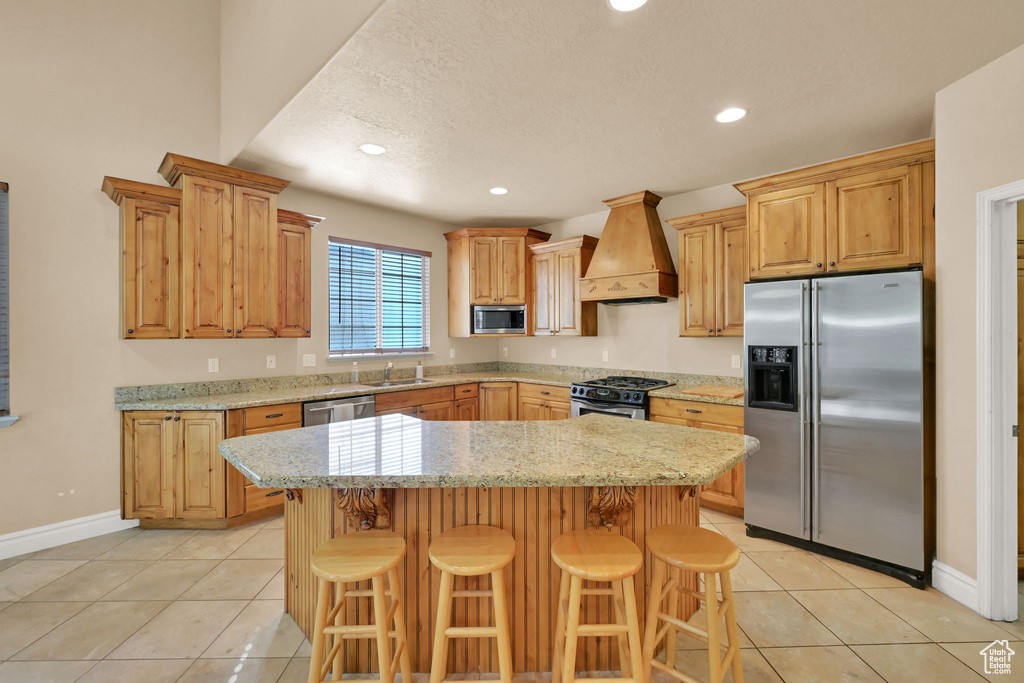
(534,479)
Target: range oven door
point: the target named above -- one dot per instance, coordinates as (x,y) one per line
(582,406)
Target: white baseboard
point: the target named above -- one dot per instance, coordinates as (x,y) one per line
(51,535)
(955,584)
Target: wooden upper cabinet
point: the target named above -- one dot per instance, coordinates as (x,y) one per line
(147,464)
(294,237)
(207,259)
(556,269)
(199,467)
(712,269)
(863,213)
(255,263)
(150,258)
(872,221)
(486,266)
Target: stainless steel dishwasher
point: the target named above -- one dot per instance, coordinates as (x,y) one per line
(337,410)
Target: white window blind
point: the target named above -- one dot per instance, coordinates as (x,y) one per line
(5,302)
(378,299)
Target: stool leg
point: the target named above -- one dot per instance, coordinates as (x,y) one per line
(633,623)
(402,641)
(572,626)
(319,622)
(558,653)
(439,661)
(501,622)
(619,605)
(732,629)
(380,618)
(714,643)
(653,605)
(674,598)
(339,659)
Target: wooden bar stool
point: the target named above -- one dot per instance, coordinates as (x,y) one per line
(365,555)
(677,548)
(596,555)
(472,551)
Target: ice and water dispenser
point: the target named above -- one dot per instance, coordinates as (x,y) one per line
(773,377)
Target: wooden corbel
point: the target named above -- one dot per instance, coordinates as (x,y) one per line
(367,508)
(611,506)
(293,494)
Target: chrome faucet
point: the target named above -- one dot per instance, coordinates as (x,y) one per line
(387,371)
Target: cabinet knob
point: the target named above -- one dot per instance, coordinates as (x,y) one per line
(818,265)
(719,329)
(240,332)
(710,330)
(168,417)
(131,331)
(177,418)
(831,263)
(308,332)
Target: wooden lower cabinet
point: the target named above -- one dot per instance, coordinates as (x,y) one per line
(147,464)
(499,401)
(467,410)
(199,485)
(437,403)
(724,494)
(543,402)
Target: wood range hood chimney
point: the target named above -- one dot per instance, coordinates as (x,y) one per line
(632,263)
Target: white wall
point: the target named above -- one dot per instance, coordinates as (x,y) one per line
(269,51)
(979,144)
(638,337)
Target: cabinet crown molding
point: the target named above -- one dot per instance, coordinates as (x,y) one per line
(706,217)
(119,189)
(497,232)
(175,165)
(302,220)
(916,152)
(645,196)
(581,242)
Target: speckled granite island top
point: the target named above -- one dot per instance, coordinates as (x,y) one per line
(398,451)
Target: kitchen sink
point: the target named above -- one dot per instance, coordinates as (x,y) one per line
(397,382)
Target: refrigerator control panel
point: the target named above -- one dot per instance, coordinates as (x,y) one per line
(772,379)
(772,354)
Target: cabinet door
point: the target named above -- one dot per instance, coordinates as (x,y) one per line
(483,270)
(786,232)
(147,464)
(697,289)
(199,467)
(559,410)
(206,259)
(467,410)
(441,411)
(531,408)
(151,252)
(545,294)
(498,401)
(730,272)
(255,262)
(293,281)
(874,220)
(567,296)
(511,286)
(668,419)
(405,410)
(725,493)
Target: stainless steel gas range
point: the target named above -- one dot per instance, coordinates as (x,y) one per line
(615,396)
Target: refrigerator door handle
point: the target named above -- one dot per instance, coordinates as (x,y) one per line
(805,351)
(816,398)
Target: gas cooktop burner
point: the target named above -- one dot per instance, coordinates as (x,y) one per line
(624,390)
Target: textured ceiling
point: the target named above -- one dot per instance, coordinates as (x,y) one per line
(567,102)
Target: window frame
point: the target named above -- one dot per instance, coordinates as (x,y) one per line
(379,351)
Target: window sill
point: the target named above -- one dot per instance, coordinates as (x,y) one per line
(339,358)
(8,420)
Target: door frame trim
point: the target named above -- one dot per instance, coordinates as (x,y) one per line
(997,401)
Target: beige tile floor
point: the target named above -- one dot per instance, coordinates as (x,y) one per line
(191,606)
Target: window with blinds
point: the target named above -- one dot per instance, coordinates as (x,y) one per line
(378,299)
(5,302)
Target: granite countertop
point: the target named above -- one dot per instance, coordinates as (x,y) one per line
(399,451)
(269,395)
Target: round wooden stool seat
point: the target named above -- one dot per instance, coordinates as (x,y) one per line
(596,555)
(358,556)
(472,550)
(693,548)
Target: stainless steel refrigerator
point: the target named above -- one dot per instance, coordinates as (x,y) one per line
(834,373)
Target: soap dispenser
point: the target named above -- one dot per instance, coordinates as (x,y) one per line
(419,369)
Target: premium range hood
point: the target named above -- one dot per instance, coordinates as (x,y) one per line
(632,263)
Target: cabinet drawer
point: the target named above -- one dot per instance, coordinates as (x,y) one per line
(272,416)
(416,397)
(466,391)
(258,499)
(698,411)
(544,392)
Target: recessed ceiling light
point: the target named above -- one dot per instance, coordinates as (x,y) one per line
(499,190)
(371,149)
(626,5)
(731,114)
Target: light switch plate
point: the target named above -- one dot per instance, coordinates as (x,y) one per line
(604,356)
(213,365)
(504,350)
(553,353)
(309,360)
(451,353)
(271,362)
(736,362)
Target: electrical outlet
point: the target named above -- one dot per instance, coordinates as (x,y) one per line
(553,353)
(213,365)
(604,356)
(309,360)
(451,353)
(504,350)
(736,362)
(271,362)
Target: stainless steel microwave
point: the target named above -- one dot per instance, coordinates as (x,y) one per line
(499,319)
